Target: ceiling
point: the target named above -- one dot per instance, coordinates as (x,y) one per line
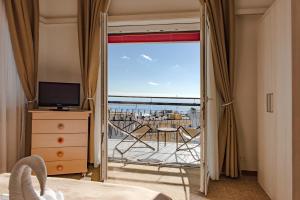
(68,8)
(246,4)
(129,7)
(58,8)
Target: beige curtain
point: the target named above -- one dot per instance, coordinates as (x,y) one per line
(12,101)
(221,14)
(89,26)
(23,20)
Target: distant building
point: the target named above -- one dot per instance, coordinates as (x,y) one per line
(194,115)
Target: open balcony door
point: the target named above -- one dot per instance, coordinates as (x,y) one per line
(204,175)
(210,108)
(103,94)
(102,104)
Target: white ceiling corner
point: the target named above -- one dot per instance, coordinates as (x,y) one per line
(58,8)
(68,8)
(253,4)
(136,7)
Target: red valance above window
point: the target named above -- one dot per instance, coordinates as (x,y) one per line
(154,37)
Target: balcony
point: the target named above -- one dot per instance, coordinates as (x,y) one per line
(171,130)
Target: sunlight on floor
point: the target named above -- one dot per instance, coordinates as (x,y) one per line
(183,183)
(178,183)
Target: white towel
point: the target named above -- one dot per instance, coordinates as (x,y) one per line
(49,195)
(20,183)
(4,197)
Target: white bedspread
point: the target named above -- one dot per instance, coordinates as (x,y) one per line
(85,190)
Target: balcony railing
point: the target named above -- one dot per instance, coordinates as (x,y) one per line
(155,112)
(181,101)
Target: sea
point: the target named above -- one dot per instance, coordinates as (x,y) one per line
(140,104)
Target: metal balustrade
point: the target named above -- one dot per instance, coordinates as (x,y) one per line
(155,112)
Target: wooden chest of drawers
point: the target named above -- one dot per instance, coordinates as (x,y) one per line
(61,139)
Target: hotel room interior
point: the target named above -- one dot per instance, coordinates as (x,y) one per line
(64,134)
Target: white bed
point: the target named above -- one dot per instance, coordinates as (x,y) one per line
(85,190)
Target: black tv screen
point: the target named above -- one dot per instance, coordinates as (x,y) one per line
(59,94)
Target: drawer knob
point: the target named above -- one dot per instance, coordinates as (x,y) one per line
(59,167)
(60,154)
(60,140)
(60,126)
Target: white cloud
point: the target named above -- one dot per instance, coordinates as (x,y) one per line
(146,57)
(153,83)
(125,57)
(176,66)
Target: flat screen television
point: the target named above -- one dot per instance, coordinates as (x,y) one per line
(53,94)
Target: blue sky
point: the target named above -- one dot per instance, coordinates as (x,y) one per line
(154,69)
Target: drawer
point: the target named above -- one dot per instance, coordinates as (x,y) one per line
(60,115)
(56,154)
(66,167)
(59,140)
(59,126)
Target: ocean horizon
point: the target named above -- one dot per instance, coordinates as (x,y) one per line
(149,108)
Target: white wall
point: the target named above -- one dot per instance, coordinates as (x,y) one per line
(59,53)
(245,90)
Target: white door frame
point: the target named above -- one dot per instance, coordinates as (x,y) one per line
(204,178)
(204,175)
(104,100)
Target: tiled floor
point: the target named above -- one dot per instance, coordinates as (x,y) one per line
(180,183)
(166,153)
(183,183)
